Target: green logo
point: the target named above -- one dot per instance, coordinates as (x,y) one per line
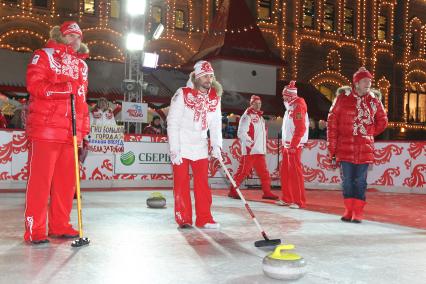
(128,158)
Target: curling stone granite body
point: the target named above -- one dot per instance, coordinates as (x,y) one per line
(284,265)
(156,200)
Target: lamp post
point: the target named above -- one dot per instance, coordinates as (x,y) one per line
(136,58)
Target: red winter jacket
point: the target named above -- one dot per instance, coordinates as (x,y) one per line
(53,74)
(352,123)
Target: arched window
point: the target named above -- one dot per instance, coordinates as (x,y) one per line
(328,90)
(382,32)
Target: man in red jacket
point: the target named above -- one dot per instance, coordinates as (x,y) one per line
(295,132)
(54,73)
(253,136)
(356,116)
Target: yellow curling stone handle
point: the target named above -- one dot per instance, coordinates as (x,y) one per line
(277,254)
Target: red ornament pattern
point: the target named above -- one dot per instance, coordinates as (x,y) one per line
(417,178)
(235,150)
(6,153)
(311,175)
(416,149)
(272,146)
(386,178)
(384,155)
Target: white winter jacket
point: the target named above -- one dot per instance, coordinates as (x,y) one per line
(190,115)
(252,132)
(295,127)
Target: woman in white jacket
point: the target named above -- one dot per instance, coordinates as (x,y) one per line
(194,110)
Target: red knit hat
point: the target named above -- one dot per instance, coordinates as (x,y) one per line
(290,90)
(254,99)
(71,27)
(361,74)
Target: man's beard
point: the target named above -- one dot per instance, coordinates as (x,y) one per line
(206,86)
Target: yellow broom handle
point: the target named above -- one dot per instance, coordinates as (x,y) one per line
(77,168)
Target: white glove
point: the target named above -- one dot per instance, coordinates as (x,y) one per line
(217,153)
(176,158)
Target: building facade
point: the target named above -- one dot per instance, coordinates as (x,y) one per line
(323,42)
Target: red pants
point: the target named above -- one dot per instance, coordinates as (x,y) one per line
(292,183)
(202,193)
(258,162)
(51,171)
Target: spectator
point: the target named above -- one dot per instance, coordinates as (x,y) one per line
(154,128)
(227,130)
(313,130)
(102,114)
(322,129)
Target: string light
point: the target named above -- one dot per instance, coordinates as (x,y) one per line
(384,86)
(190,18)
(173,53)
(26,17)
(104,29)
(405,125)
(206,15)
(108,44)
(329,76)
(283,35)
(173,17)
(22,31)
(168,39)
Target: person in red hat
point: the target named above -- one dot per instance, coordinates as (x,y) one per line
(294,135)
(54,73)
(253,135)
(356,116)
(194,110)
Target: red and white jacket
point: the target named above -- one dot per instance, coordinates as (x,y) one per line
(54,73)
(252,132)
(99,117)
(190,115)
(352,123)
(295,127)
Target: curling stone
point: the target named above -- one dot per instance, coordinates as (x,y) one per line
(156,200)
(284,265)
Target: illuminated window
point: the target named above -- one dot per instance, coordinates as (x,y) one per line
(328,24)
(415,105)
(383,28)
(89,7)
(309,14)
(179,19)
(348,28)
(115,8)
(265,10)
(156,14)
(328,91)
(40,3)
